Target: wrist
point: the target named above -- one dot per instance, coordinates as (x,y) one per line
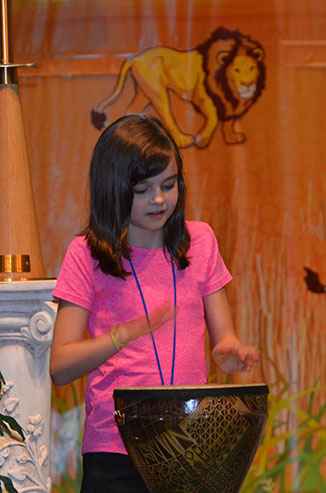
(228,338)
(117,340)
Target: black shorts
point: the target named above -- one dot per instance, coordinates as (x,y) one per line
(110,473)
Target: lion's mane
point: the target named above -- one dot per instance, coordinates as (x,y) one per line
(240,41)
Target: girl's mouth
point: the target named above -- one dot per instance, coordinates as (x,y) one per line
(156,214)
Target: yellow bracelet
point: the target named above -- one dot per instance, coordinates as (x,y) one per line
(117,344)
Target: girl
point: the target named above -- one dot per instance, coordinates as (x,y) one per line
(143,281)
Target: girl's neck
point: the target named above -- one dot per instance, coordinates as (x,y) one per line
(145,239)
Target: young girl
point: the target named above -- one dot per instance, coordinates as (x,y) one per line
(143,281)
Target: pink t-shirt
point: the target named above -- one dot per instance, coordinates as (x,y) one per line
(112,300)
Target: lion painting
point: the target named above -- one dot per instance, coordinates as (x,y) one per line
(222,77)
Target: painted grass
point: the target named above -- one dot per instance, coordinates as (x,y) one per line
(66,467)
(291,459)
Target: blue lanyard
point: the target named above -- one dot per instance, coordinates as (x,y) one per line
(175,322)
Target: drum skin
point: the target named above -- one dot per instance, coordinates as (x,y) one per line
(192,439)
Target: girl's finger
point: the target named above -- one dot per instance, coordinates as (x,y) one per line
(161,315)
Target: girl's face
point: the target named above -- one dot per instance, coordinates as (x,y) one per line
(154,202)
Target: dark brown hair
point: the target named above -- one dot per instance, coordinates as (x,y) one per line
(132,149)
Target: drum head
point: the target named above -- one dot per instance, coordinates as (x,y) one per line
(189,391)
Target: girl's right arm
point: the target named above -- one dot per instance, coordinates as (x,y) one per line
(73,356)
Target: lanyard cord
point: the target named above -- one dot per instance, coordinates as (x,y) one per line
(175,322)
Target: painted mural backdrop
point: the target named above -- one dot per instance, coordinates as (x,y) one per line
(241,86)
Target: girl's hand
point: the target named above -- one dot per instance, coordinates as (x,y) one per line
(232,357)
(130,331)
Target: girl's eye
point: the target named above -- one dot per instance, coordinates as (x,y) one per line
(168,187)
(140,191)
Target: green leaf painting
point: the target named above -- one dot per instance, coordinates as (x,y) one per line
(7,483)
(7,426)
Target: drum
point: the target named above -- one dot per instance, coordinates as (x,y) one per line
(192,439)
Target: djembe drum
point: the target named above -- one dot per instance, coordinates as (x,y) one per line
(192,439)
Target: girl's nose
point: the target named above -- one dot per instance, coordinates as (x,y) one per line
(157,196)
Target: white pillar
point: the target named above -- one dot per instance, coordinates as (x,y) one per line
(27,314)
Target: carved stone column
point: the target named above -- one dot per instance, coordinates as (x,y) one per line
(27,314)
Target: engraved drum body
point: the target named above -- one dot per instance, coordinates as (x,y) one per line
(192,439)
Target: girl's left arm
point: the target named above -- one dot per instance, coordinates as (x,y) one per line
(228,353)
